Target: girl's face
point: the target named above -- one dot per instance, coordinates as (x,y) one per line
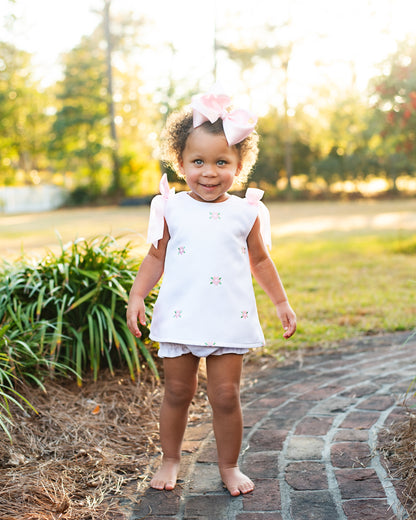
(209,165)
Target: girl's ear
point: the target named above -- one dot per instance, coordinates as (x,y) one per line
(180,164)
(238,170)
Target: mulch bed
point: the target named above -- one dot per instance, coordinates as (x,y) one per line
(72,459)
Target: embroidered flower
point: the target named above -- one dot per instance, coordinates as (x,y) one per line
(177,314)
(210,344)
(244,315)
(181,250)
(216,280)
(214,215)
(244,250)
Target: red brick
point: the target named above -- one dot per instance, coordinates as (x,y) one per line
(265,497)
(268,440)
(259,516)
(350,454)
(314,426)
(320,394)
(360,420)
(208,506)
(252,416)
(313,505)
(370,509)
(269,402)
(306,475)
(357,483)
(261,465)
(377,402)
(351,435)
(158,503)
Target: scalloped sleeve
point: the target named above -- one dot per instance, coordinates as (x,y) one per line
(157,212)
(253,196)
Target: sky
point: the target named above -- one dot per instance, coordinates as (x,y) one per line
(334,38)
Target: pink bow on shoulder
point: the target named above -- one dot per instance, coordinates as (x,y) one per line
(157,211)
(253,196)
(237,124)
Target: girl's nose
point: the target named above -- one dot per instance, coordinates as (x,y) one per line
(209,170)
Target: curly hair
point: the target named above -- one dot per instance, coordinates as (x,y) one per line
(179,126)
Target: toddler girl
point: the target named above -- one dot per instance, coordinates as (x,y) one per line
(206,243)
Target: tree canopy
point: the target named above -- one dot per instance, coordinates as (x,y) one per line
(96,130)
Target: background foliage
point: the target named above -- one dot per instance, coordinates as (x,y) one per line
(96,130)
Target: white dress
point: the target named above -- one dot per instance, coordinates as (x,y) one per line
(206,297)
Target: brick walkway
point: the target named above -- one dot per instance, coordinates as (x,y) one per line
(310,442)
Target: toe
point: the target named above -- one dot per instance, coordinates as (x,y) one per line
(247,487)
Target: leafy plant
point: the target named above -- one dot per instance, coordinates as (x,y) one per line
(78,297)
(19,362)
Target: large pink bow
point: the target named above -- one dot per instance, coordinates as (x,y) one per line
(237,124)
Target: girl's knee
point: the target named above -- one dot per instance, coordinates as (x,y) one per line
(178,393)
(225,398)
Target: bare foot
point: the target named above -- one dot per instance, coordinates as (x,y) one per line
(235,481)
(165,477)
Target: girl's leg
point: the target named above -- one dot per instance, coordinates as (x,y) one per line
(181,378)
(224,374)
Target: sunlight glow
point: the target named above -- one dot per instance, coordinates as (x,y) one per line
(336,44)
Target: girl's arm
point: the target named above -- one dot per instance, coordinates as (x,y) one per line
(268,278)
(149,273)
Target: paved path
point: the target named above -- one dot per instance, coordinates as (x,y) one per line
(310,442)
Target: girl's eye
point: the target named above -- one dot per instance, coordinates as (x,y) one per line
(198,162)
(221,162)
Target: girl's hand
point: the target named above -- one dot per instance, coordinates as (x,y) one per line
(135,311)
(287,317)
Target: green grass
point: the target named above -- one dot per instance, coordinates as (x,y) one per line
(343,285)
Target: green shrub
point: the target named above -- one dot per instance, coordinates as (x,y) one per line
(78,299)
(19,362)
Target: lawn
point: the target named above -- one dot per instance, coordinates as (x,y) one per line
(349,267)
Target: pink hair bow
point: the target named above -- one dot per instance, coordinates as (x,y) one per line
(253,196)
(157,211)
(237,124)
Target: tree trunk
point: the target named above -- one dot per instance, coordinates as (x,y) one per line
(116,184)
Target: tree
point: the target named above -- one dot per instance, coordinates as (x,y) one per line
(344,135)
(24,124)
(137,128)
(271,164)
(80,139)
(278,56)
(116,187)
(99,102)
(394,93)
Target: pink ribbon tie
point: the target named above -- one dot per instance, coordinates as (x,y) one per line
(237,124)
(253,196)
(157,212)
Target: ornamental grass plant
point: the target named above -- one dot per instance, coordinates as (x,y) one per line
(66,312)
